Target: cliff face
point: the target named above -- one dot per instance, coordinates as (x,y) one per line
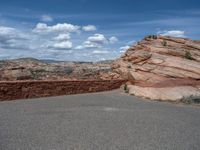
(163,68)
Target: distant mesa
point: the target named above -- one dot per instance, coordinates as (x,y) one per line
(34,69)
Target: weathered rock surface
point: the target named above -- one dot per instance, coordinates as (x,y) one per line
(33,69)
(174,94)
(162,68)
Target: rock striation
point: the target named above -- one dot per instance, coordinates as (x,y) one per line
(162,68)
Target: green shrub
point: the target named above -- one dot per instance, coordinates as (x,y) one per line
(151,37)
(126,88)
(188,55)
(154,37)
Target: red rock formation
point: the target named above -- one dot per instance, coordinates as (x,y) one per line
(10,90)
(164,64)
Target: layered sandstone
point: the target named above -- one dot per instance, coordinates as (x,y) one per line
(33,69)
(162,68)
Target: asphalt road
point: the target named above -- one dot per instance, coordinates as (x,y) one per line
(100,121)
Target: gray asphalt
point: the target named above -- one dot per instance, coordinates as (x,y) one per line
(100,121)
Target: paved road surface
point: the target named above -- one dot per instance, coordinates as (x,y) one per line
(100,121)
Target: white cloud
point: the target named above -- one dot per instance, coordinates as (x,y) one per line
(131,42)
(58,42)
(60,27)
(6,30)
(174,33)
(62,45)
(10,38)
(46,18)
(89,44)
(100,52)
(62,37)
(113,39)
(89,28)
(98,38)
(97,41)
(124,49)
(79,47)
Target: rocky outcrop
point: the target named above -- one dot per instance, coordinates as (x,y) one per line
(162,68)
(33,69)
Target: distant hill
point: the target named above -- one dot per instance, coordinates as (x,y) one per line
(34,69)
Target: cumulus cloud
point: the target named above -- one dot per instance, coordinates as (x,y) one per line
(60,27)
(97,41)
(62,37)
(11,38)
(62,45)
(124,48)
(97,38)
(100,52)
(58,41)
(174,33)
(46,18)
(89,28)
(89,44)
(6,30)
(79,47)
(7,33)
(113,39)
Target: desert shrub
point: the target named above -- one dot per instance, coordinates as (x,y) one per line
(129,66)
(126,90)
(148,37)
(151,37)
(154,37)
(188,55)
(164,43)
(69,70)
(191,100)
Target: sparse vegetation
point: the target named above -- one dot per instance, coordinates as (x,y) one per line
(191,100)
(129,66)
(164,43)
(151,37)
(154,37)
(126,90)
(188,55)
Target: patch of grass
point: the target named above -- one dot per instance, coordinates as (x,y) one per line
(188,55)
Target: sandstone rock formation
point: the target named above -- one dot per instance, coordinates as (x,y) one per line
(33,69)
(162,68)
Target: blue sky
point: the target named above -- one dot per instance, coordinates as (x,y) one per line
(90,30)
